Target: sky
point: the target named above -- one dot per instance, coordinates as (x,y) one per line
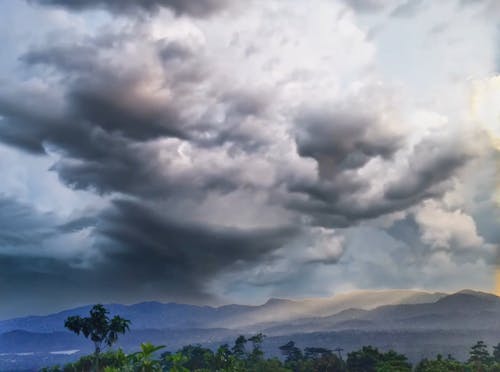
(216,151)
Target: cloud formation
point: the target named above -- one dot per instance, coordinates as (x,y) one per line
(262,145)
(197,8)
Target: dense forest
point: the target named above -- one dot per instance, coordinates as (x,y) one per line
(246,354)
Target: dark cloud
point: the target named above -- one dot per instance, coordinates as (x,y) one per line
(117,128)
(342,139)
(33,272)
(107,96)
(432,163)
(142,254)
(179,257)
(196,8)
(36,284)
(21,226)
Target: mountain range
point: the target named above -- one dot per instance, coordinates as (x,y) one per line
(417,323)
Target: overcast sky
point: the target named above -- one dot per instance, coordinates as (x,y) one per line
(217,151)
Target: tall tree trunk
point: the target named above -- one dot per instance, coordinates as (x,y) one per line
(96,357)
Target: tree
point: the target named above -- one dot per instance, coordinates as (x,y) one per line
(98,328)
(291,352)
(323,360)
(257,352)
(479,354)
(225,361)
(393,362)
(329,363)
(176,362)
(238,349)
(496,353)
(364,360)
(439,365)
(198,357)
(316,352)
(369,359)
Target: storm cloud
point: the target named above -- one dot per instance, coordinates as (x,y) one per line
(207,154)
(197,8)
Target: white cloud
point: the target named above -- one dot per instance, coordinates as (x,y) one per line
(448,229)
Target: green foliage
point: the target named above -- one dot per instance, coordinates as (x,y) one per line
(176,362)
(439,365)
(238,349)
(369,359)
(392,361)
(328,362)
(198,358)
(291,353)
(51,369)
(225,360)
(364,360)
(267,365)
(110,359)
(98,327)
(496,353)
(312,359)
(479,356)
(143,360)
(257,354)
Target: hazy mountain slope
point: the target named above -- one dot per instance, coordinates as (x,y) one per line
(171,315)
(142,315)
(285,310)
(462,310)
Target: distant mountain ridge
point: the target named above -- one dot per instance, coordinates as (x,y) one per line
(156,315)
(459,311)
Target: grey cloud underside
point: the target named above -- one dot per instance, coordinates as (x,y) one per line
(20,226)
(197,8)
(166,251)
(106,96)
(343,139)
(433,162)
(142,254)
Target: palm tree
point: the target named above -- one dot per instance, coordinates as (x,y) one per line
(98,328)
